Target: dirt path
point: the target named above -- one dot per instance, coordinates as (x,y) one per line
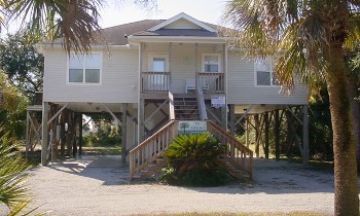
(98,186)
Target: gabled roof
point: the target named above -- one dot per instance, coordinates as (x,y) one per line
(117,35)
(186,17)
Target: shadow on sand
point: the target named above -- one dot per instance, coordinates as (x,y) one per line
(270,177)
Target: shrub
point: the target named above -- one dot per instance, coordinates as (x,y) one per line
(194,160)
(106,135)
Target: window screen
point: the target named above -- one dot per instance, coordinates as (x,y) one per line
(211,64)
(92,75)
(263,78)
(159,64)
(263,72)
(76,75)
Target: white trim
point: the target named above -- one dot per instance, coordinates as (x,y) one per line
(226,64)
(185,17)
(83,83)
(218,55)
(57,45)
(176,39)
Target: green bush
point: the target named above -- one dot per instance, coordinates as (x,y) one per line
(194,160)
(105,136)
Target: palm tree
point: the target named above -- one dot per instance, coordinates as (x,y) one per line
(75,21)
(309,39)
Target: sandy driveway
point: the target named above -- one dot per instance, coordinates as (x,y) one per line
(98,186)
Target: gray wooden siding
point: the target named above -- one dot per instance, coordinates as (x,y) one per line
(119,79)
(241,87)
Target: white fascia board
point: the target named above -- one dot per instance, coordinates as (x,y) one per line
(60,46)
(179,39)
(182,16)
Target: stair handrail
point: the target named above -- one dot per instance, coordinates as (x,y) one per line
(201,102)
(149,149)
(238,153)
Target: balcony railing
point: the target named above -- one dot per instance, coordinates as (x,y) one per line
(212,83)
(155,81)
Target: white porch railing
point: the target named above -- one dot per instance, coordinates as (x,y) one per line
(155,81)
(212,83)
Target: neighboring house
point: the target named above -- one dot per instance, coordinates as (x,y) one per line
(154,70)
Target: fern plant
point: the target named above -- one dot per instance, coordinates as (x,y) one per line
(194,160)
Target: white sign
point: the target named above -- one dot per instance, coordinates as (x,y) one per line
(190,127)
(218,101)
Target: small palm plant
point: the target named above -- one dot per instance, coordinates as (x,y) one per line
(12,176)
(194,160)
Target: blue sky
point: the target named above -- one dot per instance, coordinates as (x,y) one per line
(123,11)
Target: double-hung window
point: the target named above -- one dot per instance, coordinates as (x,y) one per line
(211,63)
(85,68)
(264,73)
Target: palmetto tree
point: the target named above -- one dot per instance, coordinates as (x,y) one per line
(309,38)
(75,21)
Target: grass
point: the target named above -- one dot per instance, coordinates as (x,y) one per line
(101,150)
(295,213)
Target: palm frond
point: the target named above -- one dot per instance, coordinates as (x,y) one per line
(75,21)
(12,175)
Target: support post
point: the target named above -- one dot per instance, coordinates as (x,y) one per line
(232,118)
(290,133)
(62,135)
(247,131)
(141,119)
(45,134)
(27,134)
(266,122)
(224,117)
(80,134)
(305,135)
(73,129)
(277,134)
(124,133)
(257,135)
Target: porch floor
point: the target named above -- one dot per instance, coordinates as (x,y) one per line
(96,185)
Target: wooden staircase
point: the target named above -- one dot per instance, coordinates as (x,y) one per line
(186,108)
(145,160)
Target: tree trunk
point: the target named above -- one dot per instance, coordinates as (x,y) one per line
(355,112)
(345,172)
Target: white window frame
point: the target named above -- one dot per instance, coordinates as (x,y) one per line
(83,82)
(271,75)
(151,57)
(218,55)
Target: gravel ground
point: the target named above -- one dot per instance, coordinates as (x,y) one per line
(99,186)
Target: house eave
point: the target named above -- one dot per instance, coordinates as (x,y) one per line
(176,39)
